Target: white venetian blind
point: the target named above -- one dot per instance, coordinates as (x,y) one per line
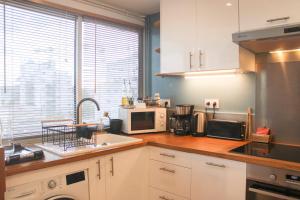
(110,54)
(39,68)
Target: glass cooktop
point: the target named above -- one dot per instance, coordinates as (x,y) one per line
(274,151)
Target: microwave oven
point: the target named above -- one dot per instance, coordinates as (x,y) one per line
(143,120)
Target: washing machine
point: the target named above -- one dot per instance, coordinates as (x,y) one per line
(71,186)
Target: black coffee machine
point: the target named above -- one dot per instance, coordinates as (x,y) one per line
(183,119)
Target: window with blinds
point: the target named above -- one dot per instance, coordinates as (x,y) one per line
(37,70)
(110,54)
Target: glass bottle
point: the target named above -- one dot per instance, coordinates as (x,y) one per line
(124,94)
(130,94)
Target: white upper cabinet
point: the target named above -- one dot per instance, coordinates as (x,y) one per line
(217,20)
(197,35)
(178,35)
(257,14)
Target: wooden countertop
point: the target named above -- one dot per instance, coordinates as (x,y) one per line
(52,160)
(213,147)
(203,145)
(2,174)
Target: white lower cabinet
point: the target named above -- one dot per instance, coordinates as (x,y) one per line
(155,194)
(171,178)
(179,176)
(216,178)
(123,176)
(126,174)
(97,179)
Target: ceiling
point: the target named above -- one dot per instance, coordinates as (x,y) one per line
(144,7)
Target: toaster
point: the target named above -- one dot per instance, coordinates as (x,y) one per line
(233,130)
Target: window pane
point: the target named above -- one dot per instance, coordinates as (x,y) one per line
(110,55)
(39,67)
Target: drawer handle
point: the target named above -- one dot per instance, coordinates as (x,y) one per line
(191,57)
(200,58)
(278,19)
(215,165)
(112,171)
(167,155)
(167,170)
(165,198)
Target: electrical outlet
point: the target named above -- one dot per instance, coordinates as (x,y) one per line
(209,103)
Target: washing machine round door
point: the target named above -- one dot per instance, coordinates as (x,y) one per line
(61,197)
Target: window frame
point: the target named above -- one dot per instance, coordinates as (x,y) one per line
(78,55)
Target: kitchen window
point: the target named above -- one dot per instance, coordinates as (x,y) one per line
(39,64)
(110,55)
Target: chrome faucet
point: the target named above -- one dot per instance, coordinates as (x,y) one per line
(80,102)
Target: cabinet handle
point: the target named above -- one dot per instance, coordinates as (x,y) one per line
(112,166)
(200,58)
(99,169)
(168,170)
(278,19)
(215,165)
(167,155)
(165,198)
(191,56)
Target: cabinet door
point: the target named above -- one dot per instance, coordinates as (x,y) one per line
(177,32)
(217,20)
(215,178)
(97,179)
(156,194)
(126,175)
(257,14)
(170,178)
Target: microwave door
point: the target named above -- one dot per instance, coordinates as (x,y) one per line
(142,121)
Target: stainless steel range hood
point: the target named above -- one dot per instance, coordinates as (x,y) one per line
(270,39)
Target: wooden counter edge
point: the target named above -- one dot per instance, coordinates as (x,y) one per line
(2,174)
(41,164)
(268,162)
(36,165)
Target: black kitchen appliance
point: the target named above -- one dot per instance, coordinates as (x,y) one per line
(183,125)
(115,126)
(234,130)
(274,151)
(266,183)
(183,116)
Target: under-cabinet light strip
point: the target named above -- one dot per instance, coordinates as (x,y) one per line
(226,71)
(285,51)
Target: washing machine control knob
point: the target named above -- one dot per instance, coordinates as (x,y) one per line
(52,184)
